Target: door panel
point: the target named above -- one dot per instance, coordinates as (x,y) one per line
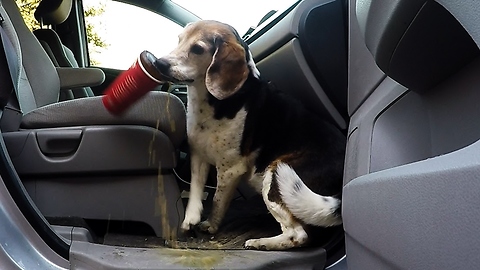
(411,173)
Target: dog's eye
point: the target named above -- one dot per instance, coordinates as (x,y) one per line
(197,49)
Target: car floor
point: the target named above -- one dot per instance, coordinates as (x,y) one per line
(245,219)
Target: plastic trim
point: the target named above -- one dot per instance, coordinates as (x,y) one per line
(23,201)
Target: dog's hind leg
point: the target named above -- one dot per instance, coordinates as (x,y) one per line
(293,233)
(227,182)
(199,170)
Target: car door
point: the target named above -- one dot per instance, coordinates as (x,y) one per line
(411,171)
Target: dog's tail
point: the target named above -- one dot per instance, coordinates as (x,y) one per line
(303,203)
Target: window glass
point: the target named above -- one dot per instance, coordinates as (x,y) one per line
(117,33)
(240,14)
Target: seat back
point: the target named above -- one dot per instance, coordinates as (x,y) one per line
(53,13)
(38,86)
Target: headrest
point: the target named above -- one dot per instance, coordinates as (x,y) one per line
(418,43)
(52,12)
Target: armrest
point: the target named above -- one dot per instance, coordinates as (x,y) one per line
(79,77)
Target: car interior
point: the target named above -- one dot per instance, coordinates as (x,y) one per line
(61,56)
(84,189)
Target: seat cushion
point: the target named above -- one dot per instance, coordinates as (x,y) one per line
(160,110)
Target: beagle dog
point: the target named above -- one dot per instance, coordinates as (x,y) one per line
(251,132)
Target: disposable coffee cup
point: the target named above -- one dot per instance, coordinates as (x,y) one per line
(132,84)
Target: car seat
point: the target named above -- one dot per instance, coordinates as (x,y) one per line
(74,158)
(52,13)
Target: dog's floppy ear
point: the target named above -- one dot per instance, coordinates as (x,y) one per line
(228,70)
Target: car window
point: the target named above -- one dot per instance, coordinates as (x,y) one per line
(240,14)
(118,32)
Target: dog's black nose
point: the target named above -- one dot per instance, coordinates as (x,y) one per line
(162,65)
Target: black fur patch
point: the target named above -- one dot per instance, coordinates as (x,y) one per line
(281,129)
(229,107)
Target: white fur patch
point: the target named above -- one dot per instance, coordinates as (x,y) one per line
(217,141)
(194,207)
(293,233)
(304,204)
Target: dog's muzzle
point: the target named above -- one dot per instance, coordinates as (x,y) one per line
(163,66)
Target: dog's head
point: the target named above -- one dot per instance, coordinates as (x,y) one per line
(212,53)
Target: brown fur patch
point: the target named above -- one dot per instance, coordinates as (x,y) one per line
(228,70)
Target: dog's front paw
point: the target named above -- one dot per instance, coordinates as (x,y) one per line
(255,244)
(192,215)
(186,226)
(207,226)
(189,222)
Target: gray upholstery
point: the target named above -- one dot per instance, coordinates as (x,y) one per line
(44,81)
(53,13)
(59,52)
(156,108)
(71,77)
(411,191)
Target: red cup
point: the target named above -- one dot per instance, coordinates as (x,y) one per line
(132,84)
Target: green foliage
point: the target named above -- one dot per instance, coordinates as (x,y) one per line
(95,11)
(92,37)
(27,8)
